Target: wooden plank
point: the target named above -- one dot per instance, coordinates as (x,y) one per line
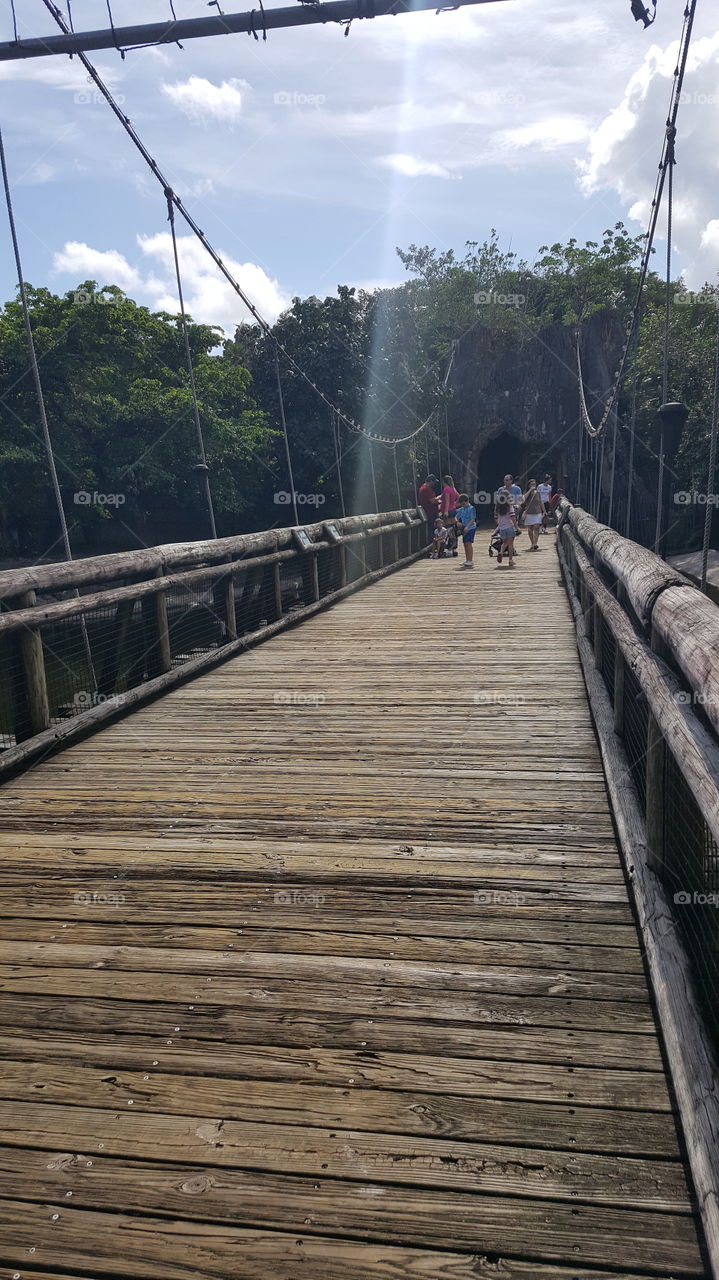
(161,1249)
(569,1003)
(360,970)
(481,1168)
(477,1077)
(533,952)
(386,1108)
(511,1041)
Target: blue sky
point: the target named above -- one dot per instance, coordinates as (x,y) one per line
(308,158)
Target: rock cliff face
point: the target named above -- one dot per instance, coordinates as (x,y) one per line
(515,399)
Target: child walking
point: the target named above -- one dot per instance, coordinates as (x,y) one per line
(467,517)
(507,531)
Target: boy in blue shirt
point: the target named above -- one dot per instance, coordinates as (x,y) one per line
(467,517)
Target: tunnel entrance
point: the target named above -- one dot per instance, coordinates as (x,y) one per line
(522,459)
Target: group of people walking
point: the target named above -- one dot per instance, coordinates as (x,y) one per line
(452,517)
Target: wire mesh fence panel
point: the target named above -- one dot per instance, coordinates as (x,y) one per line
(609,650)
(356,560)
(195,619)
(373,553)
(588,611)
(636,720)
(329,570)
(15,719)
(76,651)
(255,602)
(691,875)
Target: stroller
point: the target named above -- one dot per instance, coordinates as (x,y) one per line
(450,546)
(495,542)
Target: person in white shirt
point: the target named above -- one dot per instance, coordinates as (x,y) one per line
(545,492)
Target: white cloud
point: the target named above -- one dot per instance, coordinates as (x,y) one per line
(411,167)
(549,134)
(201,100)
(625,150)
(58,73)
(209,298)
(107,266)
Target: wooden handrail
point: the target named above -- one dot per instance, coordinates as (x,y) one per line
(150,560)
(669,606)
(218,564)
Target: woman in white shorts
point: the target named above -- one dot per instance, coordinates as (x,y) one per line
(532,512)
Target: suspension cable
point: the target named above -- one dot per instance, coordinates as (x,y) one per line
(712,471)
(374,481)
(667,159)
(32,354)
(202,467)
(396,476)
(195,228)
(665,353)
(285,436)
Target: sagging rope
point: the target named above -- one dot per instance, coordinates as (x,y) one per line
(665,164)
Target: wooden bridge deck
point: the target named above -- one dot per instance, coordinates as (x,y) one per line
(323,968)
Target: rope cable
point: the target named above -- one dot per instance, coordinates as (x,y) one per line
(632,434)
(32,354)
(396,476)
(338,458)
(374,481)
(712,471)
(47,440)
(665,353)
(667,158)
(202,465)
(285,436)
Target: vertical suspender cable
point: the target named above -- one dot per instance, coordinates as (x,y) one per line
(285,436)
(396,476)
(32,354)
(712,472)
(201,466)
(580,452)
(33,360)
(600,474)
(665,362)
(413,455)
(632,433)
(338,457)
(374,482)
(610,512)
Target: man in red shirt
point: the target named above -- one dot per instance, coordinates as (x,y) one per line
(428,500)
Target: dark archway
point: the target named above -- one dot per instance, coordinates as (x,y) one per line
(522,459)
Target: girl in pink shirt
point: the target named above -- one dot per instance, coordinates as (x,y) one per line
(448,498)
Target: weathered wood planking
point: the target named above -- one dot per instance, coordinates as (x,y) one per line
(323,965)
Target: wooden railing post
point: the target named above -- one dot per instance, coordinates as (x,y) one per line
(31,707)
(343,564)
